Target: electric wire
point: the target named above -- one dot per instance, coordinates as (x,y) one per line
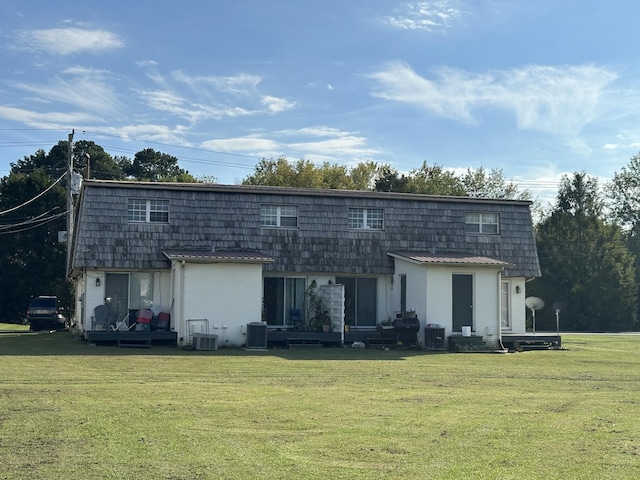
(39,224)
(37,219)
(34,198)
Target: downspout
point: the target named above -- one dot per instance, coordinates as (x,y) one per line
(182,321)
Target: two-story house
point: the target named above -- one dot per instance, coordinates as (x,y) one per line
(219,257)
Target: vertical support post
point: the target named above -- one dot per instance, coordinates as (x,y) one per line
(69,201)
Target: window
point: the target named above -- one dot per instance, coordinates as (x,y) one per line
(360,301)
(148,211)
(279,216)
(284,301)
(505,320)
(366,218)
(481,223)
(125,291)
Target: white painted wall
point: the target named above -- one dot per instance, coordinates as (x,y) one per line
(227,295)
(429,293)
(93,296)
(518,308)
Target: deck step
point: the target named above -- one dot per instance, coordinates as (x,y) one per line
(133,343)
(381,342)
(303,342)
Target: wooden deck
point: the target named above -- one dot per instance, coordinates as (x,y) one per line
(372,338)
(530,341)
(132,338)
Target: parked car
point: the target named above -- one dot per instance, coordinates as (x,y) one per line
(44,313)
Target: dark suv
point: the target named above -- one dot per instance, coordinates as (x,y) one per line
(43,313)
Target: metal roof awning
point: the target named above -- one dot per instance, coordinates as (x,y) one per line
(210,256)
(450,259)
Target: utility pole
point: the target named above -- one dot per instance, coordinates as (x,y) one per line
(69,201)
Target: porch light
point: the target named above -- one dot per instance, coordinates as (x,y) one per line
(517,288)
(97,281)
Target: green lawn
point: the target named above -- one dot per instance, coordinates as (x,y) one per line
(14,327)
(73,411)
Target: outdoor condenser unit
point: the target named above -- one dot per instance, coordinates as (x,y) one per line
(256,335)
(205,342)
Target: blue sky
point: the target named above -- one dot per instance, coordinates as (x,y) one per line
(537,89)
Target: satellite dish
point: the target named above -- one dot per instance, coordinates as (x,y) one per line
(534,303)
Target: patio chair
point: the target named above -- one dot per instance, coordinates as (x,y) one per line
(101,318)
(122,325)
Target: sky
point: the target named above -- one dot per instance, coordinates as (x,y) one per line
(536,89)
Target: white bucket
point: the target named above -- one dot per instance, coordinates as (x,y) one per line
(466,331)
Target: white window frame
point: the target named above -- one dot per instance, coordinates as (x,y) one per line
(140,210)
(482,223)
(366,218)
(279,216)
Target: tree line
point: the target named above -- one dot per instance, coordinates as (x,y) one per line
(587,240)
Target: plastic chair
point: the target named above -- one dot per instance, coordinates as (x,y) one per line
(101,318)
(123,324)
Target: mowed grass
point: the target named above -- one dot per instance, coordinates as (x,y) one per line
(69,410)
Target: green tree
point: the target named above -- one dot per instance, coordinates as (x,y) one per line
(389,180)
(624,194)
(491,184)
(306,174)
(585,263)
(429,180)
(149,165)
(32,260)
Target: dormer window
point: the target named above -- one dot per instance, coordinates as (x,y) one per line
(148,211)
(283,216)
(485,223)
(366,218)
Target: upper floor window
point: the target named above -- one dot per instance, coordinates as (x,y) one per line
(279,216)
(366,218)
(148,211)
(481,223)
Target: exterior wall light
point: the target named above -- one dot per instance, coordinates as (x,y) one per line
(517,288)
(97,281)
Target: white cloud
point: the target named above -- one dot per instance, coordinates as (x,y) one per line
(318,144)
(320,131)
(209,97)
(341,146)
(45,120)
(430,15)
(171,102)
(241,84)
(242,144)
(83,88)
(277,105)
(67,41)
(173,135)
(544,98)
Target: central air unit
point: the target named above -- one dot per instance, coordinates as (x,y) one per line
(256,335)
(205,342)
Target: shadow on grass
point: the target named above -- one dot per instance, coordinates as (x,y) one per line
(63,343)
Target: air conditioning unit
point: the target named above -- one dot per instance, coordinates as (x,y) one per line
(202,341)
(256,335)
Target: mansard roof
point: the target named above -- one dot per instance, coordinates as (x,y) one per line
(227,218)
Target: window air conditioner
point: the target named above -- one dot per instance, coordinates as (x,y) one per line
(205,342)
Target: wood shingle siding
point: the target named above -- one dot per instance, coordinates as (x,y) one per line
(228,218)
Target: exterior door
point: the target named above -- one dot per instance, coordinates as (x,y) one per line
(462,289)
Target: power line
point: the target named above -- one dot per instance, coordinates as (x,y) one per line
(34,198)
(33,225)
